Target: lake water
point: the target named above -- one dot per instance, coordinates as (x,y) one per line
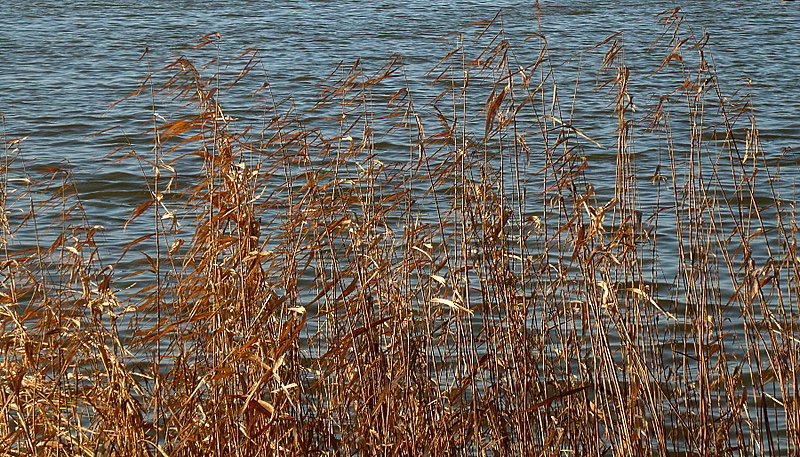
(62,67)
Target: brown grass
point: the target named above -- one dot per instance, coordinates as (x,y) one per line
(298,293)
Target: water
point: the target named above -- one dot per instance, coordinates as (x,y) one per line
(64,66)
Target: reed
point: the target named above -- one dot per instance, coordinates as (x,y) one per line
(393,272)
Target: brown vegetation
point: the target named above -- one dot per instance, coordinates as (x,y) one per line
(483,296)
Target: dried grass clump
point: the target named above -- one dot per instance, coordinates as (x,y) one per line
(457,283)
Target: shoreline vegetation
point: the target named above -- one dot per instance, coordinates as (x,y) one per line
(298,293)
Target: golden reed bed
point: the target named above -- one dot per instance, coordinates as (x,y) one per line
(481,291)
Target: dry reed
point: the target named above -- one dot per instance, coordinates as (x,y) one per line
(456,283)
